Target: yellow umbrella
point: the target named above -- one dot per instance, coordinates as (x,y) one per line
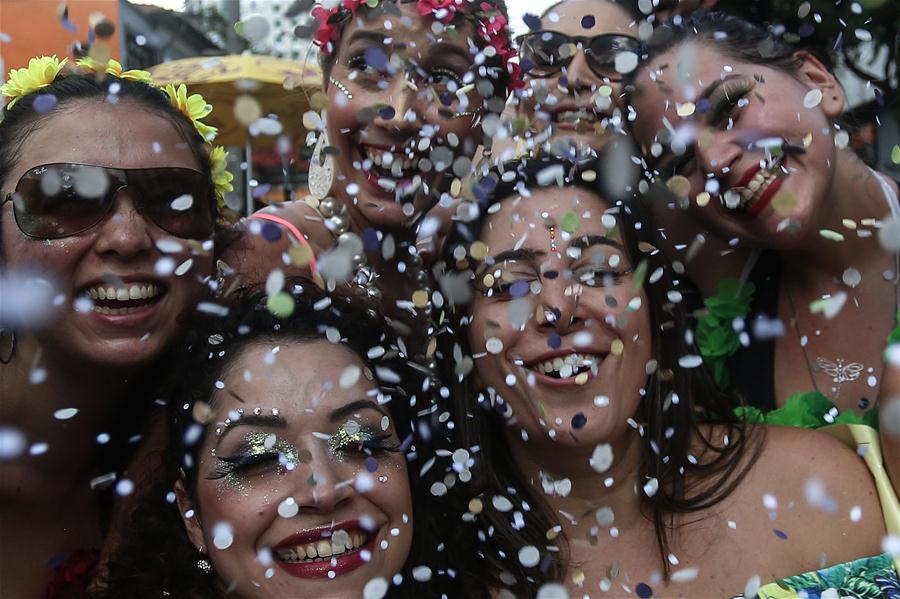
(246,91)
(245,87)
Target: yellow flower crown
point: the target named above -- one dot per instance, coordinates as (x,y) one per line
(43,70)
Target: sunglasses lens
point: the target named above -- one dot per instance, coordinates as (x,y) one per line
(59,200)
(178,200)
(604,49)
(548,50)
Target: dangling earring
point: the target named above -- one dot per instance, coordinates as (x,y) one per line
(203,564)
(321,169)
(7,345)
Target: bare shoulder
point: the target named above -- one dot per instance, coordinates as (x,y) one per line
(260,245)
(818,494)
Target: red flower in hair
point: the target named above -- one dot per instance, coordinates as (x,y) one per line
(442,10)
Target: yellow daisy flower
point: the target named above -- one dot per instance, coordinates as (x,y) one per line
(114,68)
(40,73)
(221,177)
(193,107)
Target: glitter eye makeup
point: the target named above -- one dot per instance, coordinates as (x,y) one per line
(354,440)
(259,450)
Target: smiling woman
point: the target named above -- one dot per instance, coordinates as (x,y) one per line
(106,243)
(288,464)
(601,438)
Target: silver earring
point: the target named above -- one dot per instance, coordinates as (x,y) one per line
(341,87)
(321,169)
(203,564)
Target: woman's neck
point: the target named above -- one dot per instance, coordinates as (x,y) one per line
(857,194)
(616,488)
(60,406)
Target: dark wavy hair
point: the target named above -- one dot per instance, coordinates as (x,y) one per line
(483,416)
(157,559)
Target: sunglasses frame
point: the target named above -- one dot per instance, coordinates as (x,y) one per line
(583,42)
(120,182)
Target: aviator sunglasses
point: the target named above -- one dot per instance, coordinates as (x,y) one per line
(52,201)
(549,51)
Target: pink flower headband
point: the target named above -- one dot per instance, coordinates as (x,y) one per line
(490,24)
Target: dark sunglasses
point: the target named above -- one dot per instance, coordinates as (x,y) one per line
(60,200)
(548,51)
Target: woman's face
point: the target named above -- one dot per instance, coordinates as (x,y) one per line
(404,135)
(125,252)
(577,104)
(564,333)
(305,493)
(751,145)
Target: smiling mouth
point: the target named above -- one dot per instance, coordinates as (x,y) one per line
(568,367)
(391,171)
(324,550)
(747,199)
(133,297)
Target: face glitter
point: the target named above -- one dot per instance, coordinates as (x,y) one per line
(259,450)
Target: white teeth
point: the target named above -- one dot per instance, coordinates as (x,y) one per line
(755,188)
(399,165)
(323,549)
(137,291)
(568,366)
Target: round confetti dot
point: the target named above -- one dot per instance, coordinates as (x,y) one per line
(493,346)
(812,98)
(529,556)
(679,186)
(617,347)
(420,298)
(626,62)
(579,420)
(124,487)
(223,535)
(44,103)
(552,590)
(501,503)
(478,250)
(288,508)
(690,361)
(686,109)
(280,305)
(371,464)
(602,458)
(476,506)
(376,588)
(570,222)
(270,231)
(421,573)
(702,199)
(895,154)
(12,443)
(588,21)
(643,591)
(247,109)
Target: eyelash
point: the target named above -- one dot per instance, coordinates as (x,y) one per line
(369,442)
(728,100)
(358,63)
(241,462)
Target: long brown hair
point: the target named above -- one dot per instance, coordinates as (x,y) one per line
(677,402)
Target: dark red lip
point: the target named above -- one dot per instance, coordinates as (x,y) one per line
(339,565)
(314,535)
(764,200)
(748,175)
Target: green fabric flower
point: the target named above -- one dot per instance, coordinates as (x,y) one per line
(806,410)
(716,338)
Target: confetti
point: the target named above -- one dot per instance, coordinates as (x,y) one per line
(602,457)
(831,235)
(812,98)
(529,556)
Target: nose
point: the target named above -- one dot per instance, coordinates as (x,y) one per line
(719,152)
(560,305)
(321,488)
(405,111)
(125,232)
(579,74)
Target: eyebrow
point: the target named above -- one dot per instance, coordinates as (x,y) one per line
(362,34)
(519,254)
(355,406)
(263,420)
(587,241)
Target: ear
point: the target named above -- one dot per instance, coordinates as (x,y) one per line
(814,74)
(192,524)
